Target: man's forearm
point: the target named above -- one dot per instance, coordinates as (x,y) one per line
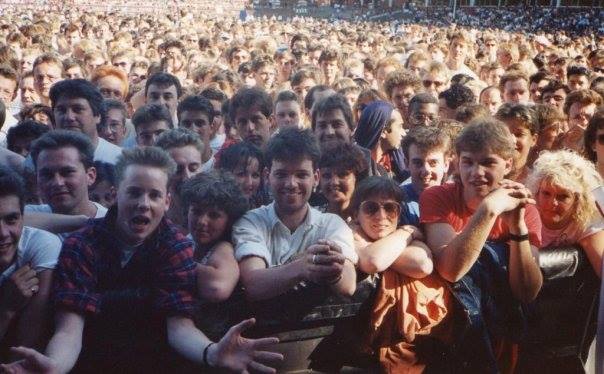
(186,339)
(456,259)
(263,284)
(525,275)
(55,223)
(64,349)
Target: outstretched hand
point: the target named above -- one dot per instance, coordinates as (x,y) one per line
(242,355)
(32,362)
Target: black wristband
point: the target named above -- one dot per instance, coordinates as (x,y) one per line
(519,238)
(205,354)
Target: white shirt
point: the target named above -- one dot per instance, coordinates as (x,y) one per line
(38,248)
(9,122)
(101,211)
(260,233)
(107,152)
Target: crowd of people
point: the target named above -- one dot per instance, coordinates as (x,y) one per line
(171,182)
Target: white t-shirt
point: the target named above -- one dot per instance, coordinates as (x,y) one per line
(38,248)
(571,234)
(101,211)
(107,152)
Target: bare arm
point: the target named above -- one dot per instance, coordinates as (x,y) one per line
(34,320)
(66,343)
(415,261)
(455,254)
(261,283)
(347,284)
(217,280)
(55,223)
(593,246)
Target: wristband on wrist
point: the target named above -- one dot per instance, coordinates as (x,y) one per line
(205,354)
(519,238)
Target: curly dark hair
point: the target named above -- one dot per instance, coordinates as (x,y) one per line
(216,190)
(345,157)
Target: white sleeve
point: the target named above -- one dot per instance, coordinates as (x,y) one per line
(37,208)
(338,231)
(249,239)
(40,248)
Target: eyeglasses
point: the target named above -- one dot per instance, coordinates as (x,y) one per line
(391,208)
(599,70)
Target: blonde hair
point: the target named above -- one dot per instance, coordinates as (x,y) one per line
(568,170)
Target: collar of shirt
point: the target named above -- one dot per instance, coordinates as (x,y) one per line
(311,219)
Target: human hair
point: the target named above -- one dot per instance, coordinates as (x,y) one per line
(309,99)
(79,89)
(553,86)
(216,190)
(69,63)
(293,145)
(179,138)
(213,93)
(344,157)
(568,170)
(301,75)
(457,95)
(11,184)
(162,79)
(249,97)
(469,112)
(417,56)
(27,129)
(577,70)
(286,95)
(383,187)
(510,76)
(48,58)
(57,139)
(329,55)
(421,99)
(547,114)
(9,73)
(261,61)
(583,97)
(589,136)
(427,139)
(237,154)
(402,78)
(105,71)
(105,172)
(540,76)
(151,113)
(145,156)
(111,104)
(460,36)
(330,103)
(195,103)
(486,134)
(520,112)
(29,112)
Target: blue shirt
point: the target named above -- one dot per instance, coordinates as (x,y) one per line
(410,206)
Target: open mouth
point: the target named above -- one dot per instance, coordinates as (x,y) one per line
(140,223)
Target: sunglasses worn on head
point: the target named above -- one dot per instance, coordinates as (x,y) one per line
(391,208)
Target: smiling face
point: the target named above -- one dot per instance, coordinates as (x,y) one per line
(480,173)
(207,224)
(76,114)
(291,183)
(381,222)
(427,167)
(556,204)
(11,225)
(332,126)
(336,185)
(248,176)
(523,140)
(63,180)
(142,201)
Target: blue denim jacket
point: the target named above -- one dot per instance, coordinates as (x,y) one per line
(490,309)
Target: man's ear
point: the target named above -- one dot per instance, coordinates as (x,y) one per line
(317,177)
(91,175)
(273,121)
(509,166)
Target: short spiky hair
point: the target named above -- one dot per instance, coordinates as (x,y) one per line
(178,138)
(427,139)
(145,156)
(12,184)
(486,134)
(63,138)
(292,144)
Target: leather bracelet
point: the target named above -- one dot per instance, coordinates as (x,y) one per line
(205,354)
(519,238)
